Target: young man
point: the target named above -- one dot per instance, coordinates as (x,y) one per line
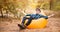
(31,17)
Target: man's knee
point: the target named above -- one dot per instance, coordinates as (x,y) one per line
(24,17)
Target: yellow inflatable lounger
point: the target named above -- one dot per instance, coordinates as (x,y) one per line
(37,24)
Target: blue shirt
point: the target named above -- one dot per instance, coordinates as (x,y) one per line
(37,16)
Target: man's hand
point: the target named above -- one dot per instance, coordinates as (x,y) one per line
(23,12)
(51,15)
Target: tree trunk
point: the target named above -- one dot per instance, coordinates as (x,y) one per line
(1,11)
(7,13)
(1,14)
(51,4)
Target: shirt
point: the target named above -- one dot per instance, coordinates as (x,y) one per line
(37,16)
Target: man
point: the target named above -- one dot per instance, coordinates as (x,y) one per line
(31,17)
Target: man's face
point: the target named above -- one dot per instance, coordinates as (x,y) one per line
(37,11)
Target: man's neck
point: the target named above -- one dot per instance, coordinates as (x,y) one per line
(38,13)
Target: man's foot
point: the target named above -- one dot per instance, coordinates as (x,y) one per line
(22,26)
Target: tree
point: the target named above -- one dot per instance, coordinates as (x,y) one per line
(11,5)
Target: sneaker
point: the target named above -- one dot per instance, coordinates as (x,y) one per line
(22,26)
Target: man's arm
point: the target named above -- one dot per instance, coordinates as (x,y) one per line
(46,17)
(42,16)
(51,15)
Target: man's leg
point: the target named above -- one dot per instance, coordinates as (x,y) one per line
(23,20)
(22,26)
(29,20)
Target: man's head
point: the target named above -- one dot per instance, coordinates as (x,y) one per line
(38,10)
